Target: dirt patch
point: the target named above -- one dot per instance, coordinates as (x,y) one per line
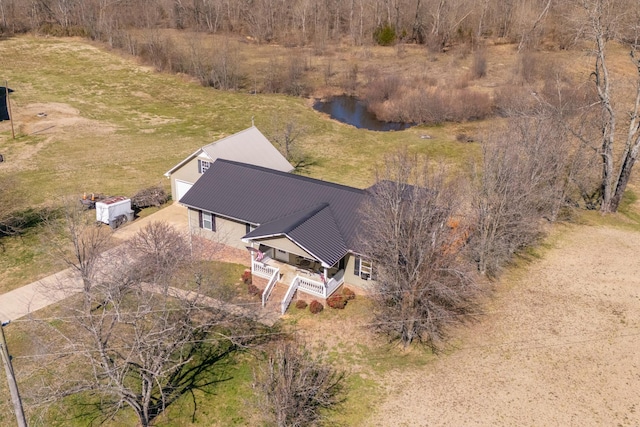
(53,117)
(53,121)
(558,347)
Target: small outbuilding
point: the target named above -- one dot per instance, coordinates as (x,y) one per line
(114,211)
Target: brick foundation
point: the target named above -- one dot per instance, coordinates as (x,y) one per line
(259,282)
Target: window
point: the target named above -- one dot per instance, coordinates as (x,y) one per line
(203,165)
(207,221)
(363,268)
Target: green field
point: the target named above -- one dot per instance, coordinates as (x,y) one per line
(114,127)
(136,123)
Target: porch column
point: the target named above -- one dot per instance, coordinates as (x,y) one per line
(252,257)
(326,280)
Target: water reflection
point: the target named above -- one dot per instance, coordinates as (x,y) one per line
(350,110)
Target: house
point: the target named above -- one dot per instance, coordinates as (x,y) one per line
(298,231)
(247,146)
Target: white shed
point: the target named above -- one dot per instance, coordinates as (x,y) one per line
(114,211)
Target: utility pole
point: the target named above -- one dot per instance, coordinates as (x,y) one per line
(11,379)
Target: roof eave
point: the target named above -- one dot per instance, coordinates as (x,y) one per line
(183,162)
(220,215)
(266,236)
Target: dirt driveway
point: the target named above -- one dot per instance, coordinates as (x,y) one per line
(559,346)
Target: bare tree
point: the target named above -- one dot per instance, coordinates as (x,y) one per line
(139,347)
(218,68)
(159,252)
(10,198)
(528,36)
(413,237)
(298,22)
(530,171)
(294,387)
(79,242)
(602,18)
(286,135)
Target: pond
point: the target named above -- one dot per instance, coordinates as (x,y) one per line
(350,110)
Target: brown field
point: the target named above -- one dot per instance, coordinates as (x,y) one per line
(558,345)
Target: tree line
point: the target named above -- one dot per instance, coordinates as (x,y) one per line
(436,23)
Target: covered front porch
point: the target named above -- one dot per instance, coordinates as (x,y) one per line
(299,273)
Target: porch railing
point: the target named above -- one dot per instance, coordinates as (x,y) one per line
(270,285)
(311,286)
(334,283)
(262,270)
(320,289)
(289,295)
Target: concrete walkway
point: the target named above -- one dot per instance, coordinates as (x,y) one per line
(34,296)
(175,214)
(22,301)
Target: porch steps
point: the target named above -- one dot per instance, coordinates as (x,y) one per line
(278,293)
(286,276)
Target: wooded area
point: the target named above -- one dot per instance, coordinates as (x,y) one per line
(436,23)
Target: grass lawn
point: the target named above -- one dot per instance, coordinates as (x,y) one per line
(342,336)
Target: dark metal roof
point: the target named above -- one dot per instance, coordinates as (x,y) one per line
(319,216)
(327,244)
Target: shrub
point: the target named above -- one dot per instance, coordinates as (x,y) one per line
(151,196)
(301,304)
(512,98)
(467,104)
(348,294)
(479,65)
(384,35)
(246,277)
(528,67)
(254,290)
(463,137)
(337,301)
(315,307)
(382,88)
(297,388)
(158,51)
(430,105)
(286,77)
(461,82)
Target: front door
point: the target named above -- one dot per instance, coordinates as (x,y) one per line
(282,255)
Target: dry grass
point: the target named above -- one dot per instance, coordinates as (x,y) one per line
(557,346)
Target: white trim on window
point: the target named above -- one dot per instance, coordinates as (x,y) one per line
(203,166)
(363,268)
(207,221)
